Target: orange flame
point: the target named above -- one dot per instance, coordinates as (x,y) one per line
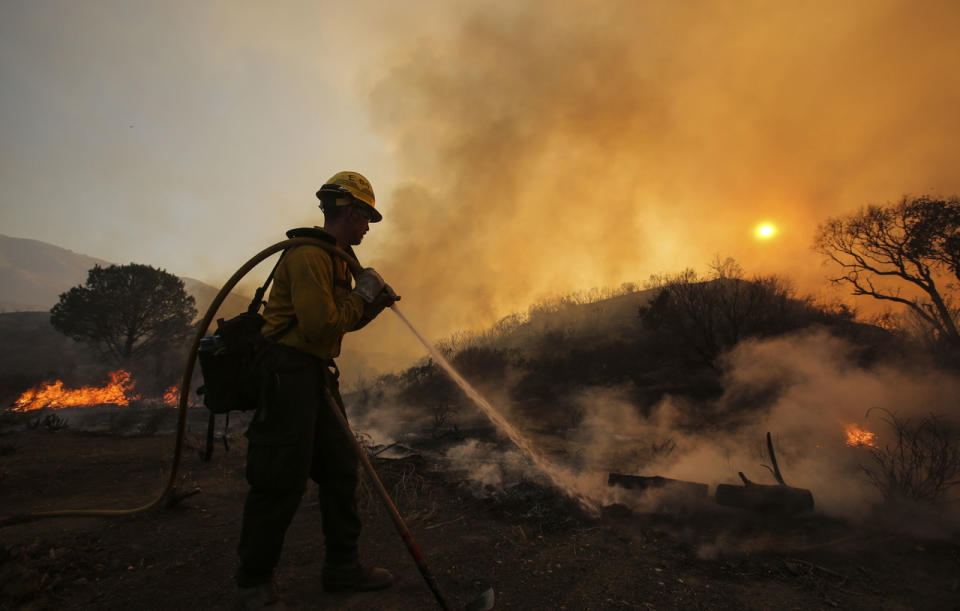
(858,437)
(171,396)
(116,392)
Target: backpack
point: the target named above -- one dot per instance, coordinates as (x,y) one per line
(227,356)
(227,362)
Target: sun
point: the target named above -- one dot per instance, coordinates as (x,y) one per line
(765,231)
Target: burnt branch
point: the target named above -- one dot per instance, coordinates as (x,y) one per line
(921,464)
(773,459)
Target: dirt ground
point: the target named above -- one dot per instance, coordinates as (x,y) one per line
(528,543)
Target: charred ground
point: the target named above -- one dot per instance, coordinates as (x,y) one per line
(529,542)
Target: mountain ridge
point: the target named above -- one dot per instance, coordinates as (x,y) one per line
(34,273)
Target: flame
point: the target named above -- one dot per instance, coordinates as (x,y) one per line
(858,437)
(118,391)
(171,396)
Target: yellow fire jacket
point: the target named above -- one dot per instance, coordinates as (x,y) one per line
(312,300)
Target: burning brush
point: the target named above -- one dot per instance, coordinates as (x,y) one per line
(117,391)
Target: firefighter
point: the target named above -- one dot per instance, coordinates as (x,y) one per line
(294,434)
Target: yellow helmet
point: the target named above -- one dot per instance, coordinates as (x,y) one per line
(345,188)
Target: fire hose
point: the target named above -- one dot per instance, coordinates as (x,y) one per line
(168,495)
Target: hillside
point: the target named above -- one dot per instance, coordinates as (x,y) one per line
(34,351)
(632,349)
(34,273)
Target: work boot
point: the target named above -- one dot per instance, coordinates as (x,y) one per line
(356,578)
(262,596)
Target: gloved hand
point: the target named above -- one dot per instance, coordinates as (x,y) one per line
(369,285)
(384,299)
(375,293)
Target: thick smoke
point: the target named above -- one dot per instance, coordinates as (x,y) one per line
(813,386)
(819,388)
(551,147)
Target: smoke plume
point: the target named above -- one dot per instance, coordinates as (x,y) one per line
(552,147)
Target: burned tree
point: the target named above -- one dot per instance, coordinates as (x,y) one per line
(126,311)
(763,498)
(883,250)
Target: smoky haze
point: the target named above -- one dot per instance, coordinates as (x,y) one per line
(550,148)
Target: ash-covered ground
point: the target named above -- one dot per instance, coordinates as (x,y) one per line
(535,546)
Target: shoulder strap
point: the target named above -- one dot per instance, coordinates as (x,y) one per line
(258,301)
(349,251)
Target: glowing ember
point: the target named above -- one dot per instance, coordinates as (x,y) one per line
(172,396)
(857,437)
(116,392)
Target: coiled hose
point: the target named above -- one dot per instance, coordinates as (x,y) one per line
(169,494)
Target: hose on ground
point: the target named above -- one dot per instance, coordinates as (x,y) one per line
(169,494)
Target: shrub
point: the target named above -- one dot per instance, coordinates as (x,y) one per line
(708,315)
(444,415)
(923,464)
(426,384)
(477,362)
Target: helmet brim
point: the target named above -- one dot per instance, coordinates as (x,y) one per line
(375,217)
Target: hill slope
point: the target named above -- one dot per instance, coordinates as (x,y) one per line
(34,273)
(34,347)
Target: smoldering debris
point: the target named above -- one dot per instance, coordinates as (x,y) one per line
(814,383)
(487,465)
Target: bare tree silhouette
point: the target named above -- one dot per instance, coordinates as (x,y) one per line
(913,244)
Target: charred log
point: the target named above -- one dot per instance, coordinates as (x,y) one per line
(766,499)
(780,499)
(640,482)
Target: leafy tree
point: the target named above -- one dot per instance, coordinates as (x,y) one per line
(882,250)
(126,311)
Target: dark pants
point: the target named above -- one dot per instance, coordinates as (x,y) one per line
(293,435)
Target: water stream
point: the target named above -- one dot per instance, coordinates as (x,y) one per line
(559,476)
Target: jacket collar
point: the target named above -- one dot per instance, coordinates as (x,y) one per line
(312,232)
(320,234)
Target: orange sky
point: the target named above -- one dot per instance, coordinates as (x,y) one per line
(559,148)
